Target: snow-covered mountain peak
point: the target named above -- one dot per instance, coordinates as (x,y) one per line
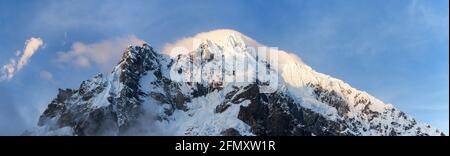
(220,83)
(221,37)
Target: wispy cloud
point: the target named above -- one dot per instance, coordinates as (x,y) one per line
(105,53)
(436,21)
(9,70)
(44,74)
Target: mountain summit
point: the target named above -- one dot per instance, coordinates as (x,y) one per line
(220,83)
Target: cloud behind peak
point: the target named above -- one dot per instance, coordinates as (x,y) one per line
(104,53)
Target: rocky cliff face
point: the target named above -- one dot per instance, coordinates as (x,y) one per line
(142,97)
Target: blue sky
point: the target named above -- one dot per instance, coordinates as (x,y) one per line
(395,50)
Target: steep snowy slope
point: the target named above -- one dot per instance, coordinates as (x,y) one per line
(219,83)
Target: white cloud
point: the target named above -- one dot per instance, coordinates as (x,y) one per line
(31,46)
(8,70)
(105,53)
